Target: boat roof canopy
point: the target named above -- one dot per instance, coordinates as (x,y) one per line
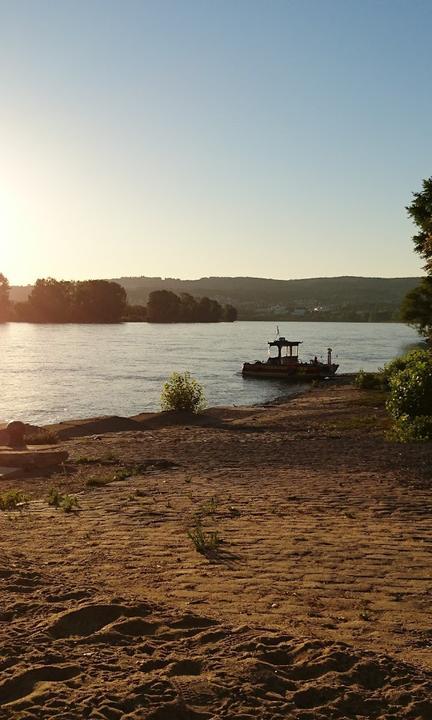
(282,342)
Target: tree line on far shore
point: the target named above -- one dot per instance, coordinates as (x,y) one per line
(104,301)
(167,307)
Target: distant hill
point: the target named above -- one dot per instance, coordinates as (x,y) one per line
(312,298)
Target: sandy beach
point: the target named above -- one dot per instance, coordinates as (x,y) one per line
(314,604)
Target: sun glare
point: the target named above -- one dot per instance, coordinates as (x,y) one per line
(15,262)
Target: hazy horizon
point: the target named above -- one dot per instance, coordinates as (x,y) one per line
(276,140)
(229,277)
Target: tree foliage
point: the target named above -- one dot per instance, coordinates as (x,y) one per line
(61,301)
(411,390)
(420,211)
(99,301)
(417,307)
(4,298)
(230,313)
(410,395)
(165,306)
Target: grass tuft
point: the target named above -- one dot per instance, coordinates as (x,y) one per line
(207,509)
(41,437)
(67,503)
(13,500)
(206,543)
(99,481)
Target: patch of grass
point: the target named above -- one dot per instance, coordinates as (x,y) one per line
(371,398)
(357,423)
(108,459)
(67,503)
(13,500)
(123,474)
(84,460)
(206,543)
(144,467)
(369,380)
(208,508)
(41,437)
(99,481)
(54,498)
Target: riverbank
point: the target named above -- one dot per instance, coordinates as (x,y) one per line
(314,604)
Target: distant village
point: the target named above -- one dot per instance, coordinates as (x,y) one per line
(348,312)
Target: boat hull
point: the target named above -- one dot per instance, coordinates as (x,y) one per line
(302,372)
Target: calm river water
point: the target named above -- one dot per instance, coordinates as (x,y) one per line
(57,372)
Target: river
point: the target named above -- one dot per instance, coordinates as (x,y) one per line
(56,372)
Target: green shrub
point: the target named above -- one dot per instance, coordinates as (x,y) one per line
(54,498)
(12,500)
(68,503)
(401,363)
(406,429)
(182,392)
(411,390)
(206,543)
(368,380)
(409,381)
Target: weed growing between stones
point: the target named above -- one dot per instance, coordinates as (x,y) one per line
(206,543)
(67,503)
(13,500)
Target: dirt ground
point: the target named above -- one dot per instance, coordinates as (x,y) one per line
(311,600)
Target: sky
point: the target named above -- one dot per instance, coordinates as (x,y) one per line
(187,138)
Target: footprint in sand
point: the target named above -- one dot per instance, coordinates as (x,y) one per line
(90,619)
(35,681)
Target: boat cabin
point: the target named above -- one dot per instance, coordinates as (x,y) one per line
(289,357)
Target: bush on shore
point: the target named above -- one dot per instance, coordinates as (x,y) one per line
(410,359)
(411,391)
(182,392)
(368,380)
(408,382)
(407,429)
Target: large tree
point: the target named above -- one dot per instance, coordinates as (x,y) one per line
(163,306)
(420,211)
(100,301)
(4,298)
(51,301)
(61,301)
(416,309)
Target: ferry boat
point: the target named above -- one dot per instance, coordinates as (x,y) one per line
(286,364)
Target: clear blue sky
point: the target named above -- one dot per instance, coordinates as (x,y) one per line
(198,137)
